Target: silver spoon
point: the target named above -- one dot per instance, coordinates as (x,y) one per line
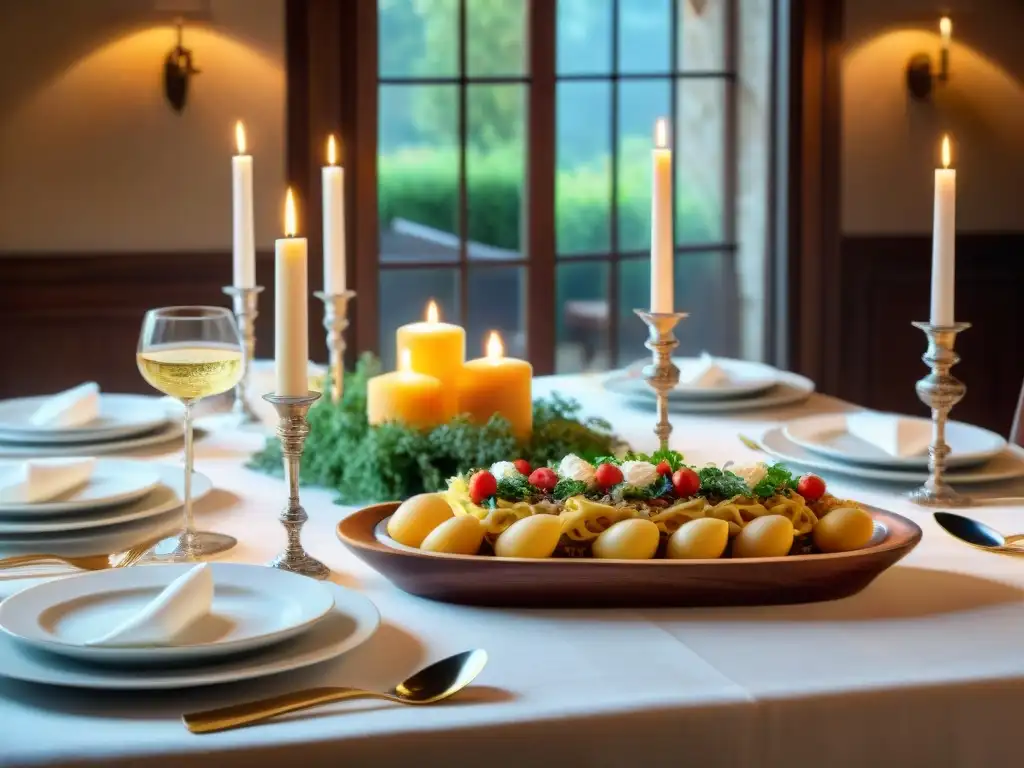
(431,684)
(977,534)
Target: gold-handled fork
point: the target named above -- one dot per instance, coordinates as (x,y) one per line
(87,562)
(751,444)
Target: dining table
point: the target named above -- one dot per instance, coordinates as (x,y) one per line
(924,667)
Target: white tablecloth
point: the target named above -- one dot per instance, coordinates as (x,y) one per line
(925,667)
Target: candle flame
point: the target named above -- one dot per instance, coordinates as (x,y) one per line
(661,133)
(289,214)
(495,349)
(405,360)
(945,28)
(433,316)
(332,151)
(240,137)
(945,151)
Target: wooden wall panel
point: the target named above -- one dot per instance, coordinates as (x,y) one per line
(67,318)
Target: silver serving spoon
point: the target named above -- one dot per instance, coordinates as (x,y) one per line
(435,683)
(977,534)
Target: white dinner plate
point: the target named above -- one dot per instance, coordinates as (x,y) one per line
(746,378)
(791,388)
(253,606)
(119,416)
(351,621)
(1006,465)
(113,482)
(172,430)
(827,435)
(167,495)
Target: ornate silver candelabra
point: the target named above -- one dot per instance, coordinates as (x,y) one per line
(245,302)
(662,374)
(335,323)
(940,391)
(292,429)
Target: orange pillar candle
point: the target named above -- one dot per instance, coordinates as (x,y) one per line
(498,384)
(436,349)
(407,397)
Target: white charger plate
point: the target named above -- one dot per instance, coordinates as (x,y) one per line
(119,416)
(113,482)
(790,388)
(172,430)
(351,621)
(167,495)
(746,378)
(827,435)
(1007,465)
(253,606)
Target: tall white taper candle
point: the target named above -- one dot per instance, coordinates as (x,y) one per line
(333,178)
(291,333)
(662,244)
(242,237)
(944,241)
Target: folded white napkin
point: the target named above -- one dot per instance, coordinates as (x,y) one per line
(167,616)
(37,480)
(898,436)
(705,373)
(70,408)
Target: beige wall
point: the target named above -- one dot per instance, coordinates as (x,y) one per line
(92,158)
(890,141)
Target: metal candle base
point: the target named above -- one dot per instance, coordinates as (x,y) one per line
(292,429)
(245,302)
(940,391)
(662,374)
(335,323)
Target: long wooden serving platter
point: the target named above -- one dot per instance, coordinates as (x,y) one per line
(578,582)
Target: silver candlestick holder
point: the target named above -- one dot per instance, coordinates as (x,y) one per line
(662,374)
(292,429)
(245,302)
(940,391)
(335,323)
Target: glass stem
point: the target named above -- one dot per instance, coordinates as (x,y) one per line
(189,535)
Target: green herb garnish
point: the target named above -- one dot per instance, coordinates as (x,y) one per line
(721,483)
(567,488)
(776,480)
(658,488)
(393,461)
(673,458)
(515,488)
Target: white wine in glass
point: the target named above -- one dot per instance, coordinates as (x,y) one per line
(190,353)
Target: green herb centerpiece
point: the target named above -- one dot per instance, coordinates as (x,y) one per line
(394,461)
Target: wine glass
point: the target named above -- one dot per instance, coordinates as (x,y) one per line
(190,353)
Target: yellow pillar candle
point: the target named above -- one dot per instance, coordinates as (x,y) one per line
(498,384)
(407,397)
(436,349)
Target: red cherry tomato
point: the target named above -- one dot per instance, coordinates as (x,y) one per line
(608,475)
(482,486)
(811,487)
(663,468)
(544,478)
(522,466)
(686,482)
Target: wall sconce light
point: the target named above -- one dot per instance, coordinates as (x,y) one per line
(178,69)
(919,69)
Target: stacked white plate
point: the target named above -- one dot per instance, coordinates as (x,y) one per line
(123,502)
(261,621)
(744,385)
(125,422)
(825,444)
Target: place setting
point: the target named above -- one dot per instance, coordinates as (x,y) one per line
(82,421)
(710,384)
